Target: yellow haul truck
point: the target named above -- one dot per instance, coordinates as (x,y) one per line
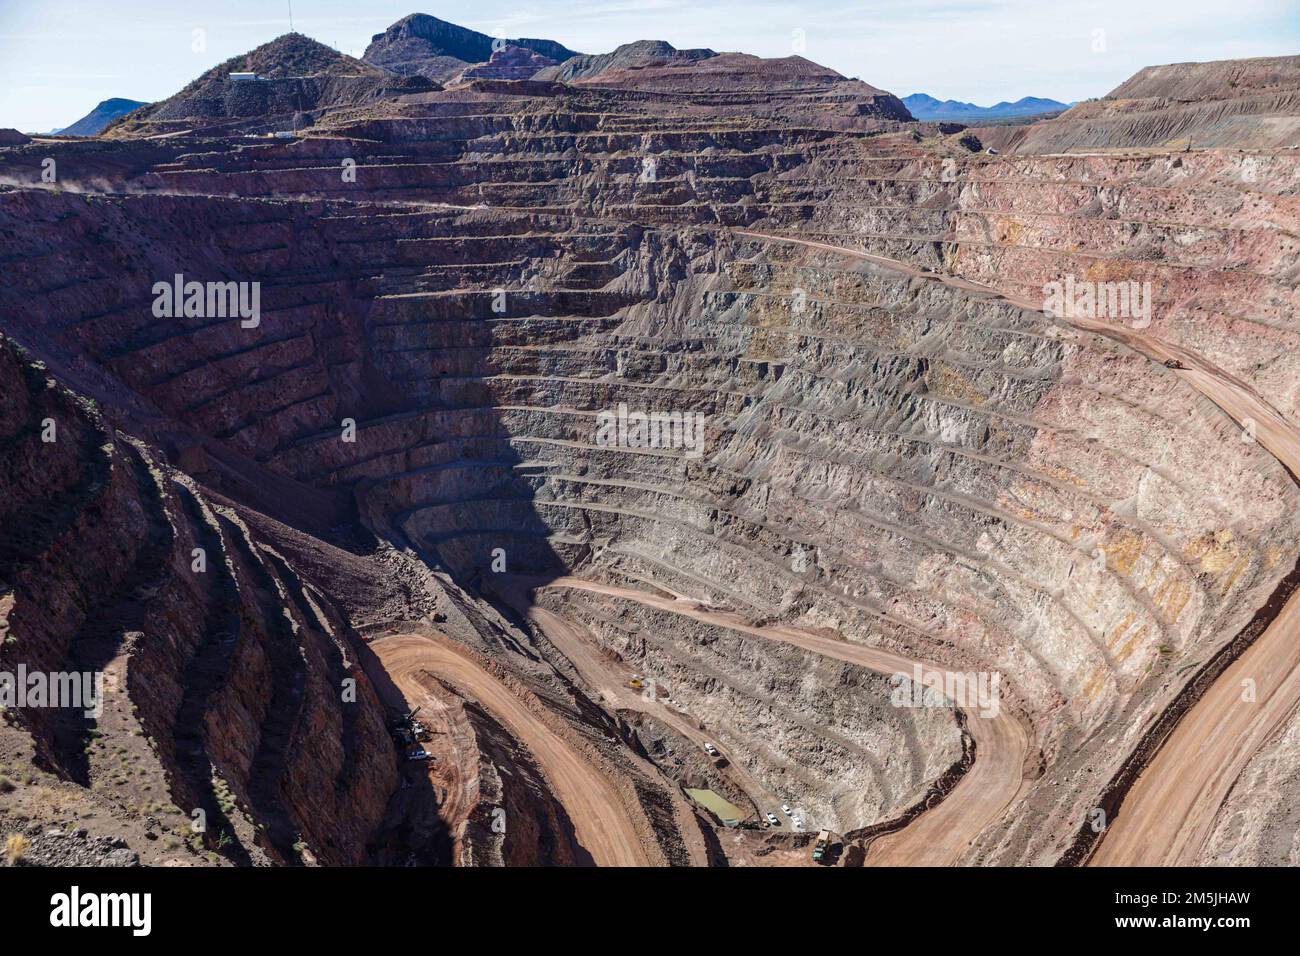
(822,846)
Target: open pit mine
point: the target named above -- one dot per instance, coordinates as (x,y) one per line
(484,454)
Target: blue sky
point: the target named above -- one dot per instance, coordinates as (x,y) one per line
(58,58)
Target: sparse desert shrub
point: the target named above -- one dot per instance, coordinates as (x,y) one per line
(225,798)
(16,848)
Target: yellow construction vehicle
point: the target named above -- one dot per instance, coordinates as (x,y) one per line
(822,846)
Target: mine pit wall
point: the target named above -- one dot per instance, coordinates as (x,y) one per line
(1176,579)
(984,455)
(52,570)
(101,565)
(1213,232)
(819,732)
(924,363)
(1219,561)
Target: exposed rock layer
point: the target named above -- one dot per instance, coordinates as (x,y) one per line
(901,462)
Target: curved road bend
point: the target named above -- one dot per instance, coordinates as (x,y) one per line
(941,835)
(601,821)
(1169,813)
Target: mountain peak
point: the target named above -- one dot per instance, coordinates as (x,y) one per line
(296,74)
(638,54)
(293,54)
(419,44)
(98,119)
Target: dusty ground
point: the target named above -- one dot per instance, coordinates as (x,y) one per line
(1168,816)
(954,462)
(942,835)
(599,815)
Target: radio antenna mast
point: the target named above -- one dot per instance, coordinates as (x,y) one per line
(290,3)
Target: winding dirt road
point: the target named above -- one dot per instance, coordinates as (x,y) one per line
(1168,816)
(1170,812)
(1165,819)
(941,835)
(602,823)
(600,674)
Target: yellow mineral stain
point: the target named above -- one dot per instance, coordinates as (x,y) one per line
(1105,270)
(1123,549)
(1231,578)
(1094,684)
(1130,645)
(1217,552)
(948,381)
(1010,231)
(1062,474)
(1123,626)
(1171,597)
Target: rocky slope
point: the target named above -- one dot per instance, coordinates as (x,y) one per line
(298,78)
(884,459)
(224,665)
(508,63)
(1228,103)
(421,45)
(640,55)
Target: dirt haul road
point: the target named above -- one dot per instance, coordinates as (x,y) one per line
(941,835)
(602,823)
(1170,811)
(579,647)
(575,643)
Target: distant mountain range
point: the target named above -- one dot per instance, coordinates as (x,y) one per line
(925,107)
(94,122)
(424,48)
